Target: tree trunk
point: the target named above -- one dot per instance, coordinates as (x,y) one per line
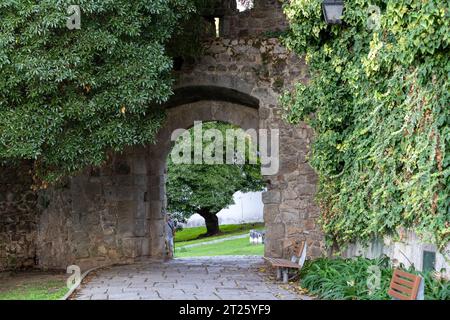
(211,221)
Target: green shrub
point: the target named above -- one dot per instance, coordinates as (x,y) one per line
(436,289)
(347,279)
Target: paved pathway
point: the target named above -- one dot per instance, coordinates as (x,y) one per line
(217,278)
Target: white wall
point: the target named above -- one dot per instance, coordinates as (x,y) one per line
(408,251)
(248,207)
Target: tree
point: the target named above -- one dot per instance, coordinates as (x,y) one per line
(206,189)
(67,97)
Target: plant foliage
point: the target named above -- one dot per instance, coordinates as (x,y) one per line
(348,279)
(69,96)
(378,100)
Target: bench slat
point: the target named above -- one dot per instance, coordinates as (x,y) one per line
(397,295)
(403,274)
(282,263)
(406,283)
(402,289)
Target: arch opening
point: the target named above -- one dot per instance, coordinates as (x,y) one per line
(191,94)
(218,200)
(184,116)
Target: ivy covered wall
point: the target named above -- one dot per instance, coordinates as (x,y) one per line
(378,101)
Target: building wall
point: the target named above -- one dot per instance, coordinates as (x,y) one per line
(408,251)
(248,207)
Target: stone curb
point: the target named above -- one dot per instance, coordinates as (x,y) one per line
(84,275)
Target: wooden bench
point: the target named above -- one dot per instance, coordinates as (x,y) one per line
(283,265)
(406,286)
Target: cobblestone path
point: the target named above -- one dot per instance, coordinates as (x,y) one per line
(200,278)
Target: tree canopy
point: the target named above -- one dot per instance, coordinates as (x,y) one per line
(67,97)
(378,100)
(206,189)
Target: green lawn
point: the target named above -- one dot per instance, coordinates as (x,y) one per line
(225,248)
(39,290)
(191,235)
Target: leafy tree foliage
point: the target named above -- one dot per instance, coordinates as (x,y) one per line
(69,96)
(378,100)
(206,189)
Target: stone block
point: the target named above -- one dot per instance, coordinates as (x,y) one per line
(156,209)
(270,212)
(140,227)
(289,216)
(306,189)
(119,193)
(126,215)
(129,247)
(271,197)
(294,229)
(276,231)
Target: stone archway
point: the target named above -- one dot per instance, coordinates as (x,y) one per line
(289,210)
(115,213)
(249,70)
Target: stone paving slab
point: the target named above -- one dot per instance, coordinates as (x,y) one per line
(199,278)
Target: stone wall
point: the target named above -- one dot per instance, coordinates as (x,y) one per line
(266,17)
(247,208)
(98,217)
(408,250)
(18,218)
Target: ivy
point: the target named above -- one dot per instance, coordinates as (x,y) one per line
(210,186)
(378,100)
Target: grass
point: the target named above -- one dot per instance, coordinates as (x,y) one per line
(193,235)
(226,248)
(38,290)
